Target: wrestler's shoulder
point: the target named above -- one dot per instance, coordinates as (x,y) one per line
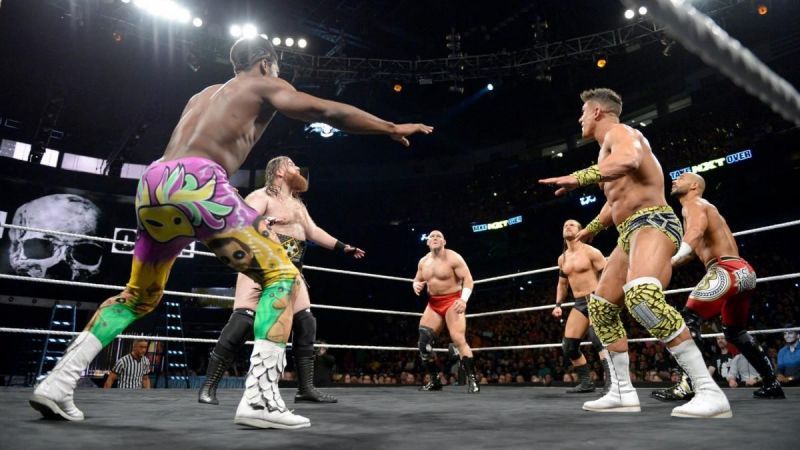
(454,254)
(592,249)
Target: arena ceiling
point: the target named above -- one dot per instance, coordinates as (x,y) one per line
(119,74)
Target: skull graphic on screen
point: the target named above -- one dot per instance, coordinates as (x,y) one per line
(45,255)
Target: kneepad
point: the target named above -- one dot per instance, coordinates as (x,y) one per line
(304,333)
(645,300)
(571,348)
(605,319)
(235,333)
(426,340)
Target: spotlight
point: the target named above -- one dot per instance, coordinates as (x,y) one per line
(762,10)
(289,42)
(276,41)
(629,14)
(264,36)
(398,87)
(601,62)
(490,87)
(198,22)
(236,31)
(302,43)
(642,10)
(249,31)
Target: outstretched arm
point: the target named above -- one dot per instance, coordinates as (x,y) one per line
(298,105)
(321,237)
(624,157)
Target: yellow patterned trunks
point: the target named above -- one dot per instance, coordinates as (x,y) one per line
(660,217)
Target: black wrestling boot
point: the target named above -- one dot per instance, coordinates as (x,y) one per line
(216,369)
(770,389)
(306,392)
(681,391)
(585,384)
(453,357)
(435,384)
(606,376)
(468,365)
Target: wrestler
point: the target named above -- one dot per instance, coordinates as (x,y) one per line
(649,234)
(279,199)
(580,266)
(185,196)
(449,286)
(725,290)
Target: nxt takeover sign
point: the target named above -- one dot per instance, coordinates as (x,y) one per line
(713,164)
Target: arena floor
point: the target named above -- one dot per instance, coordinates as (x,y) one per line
(374,418)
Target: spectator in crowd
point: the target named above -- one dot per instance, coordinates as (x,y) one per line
(742,373)
(789,359)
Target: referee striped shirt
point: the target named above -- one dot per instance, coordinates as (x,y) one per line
(130,371)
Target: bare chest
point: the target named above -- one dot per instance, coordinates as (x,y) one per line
(437,270)
(575,263)
(293,213)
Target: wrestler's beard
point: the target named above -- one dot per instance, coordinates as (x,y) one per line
(297,183)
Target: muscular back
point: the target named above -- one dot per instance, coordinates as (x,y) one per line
(222,123)
(640,188)
(717,238)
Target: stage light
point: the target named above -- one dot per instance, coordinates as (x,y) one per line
(490,87)
(601,63)
(763,10)
(398,87)
(236,31)
(289,42)
(276,41)
(642,10)
(629,14)
(302,43)
(249,31)
(198,22)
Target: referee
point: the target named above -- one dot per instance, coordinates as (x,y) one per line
(131,370)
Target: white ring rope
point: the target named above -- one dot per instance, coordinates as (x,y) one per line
(359,347)
(191,295)
(547,269)
(700,35)
(195,252)
(347,272)
(787,276)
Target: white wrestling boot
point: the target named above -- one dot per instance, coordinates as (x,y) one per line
(621,396)
(53,396)
(261,405)
(709,402)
